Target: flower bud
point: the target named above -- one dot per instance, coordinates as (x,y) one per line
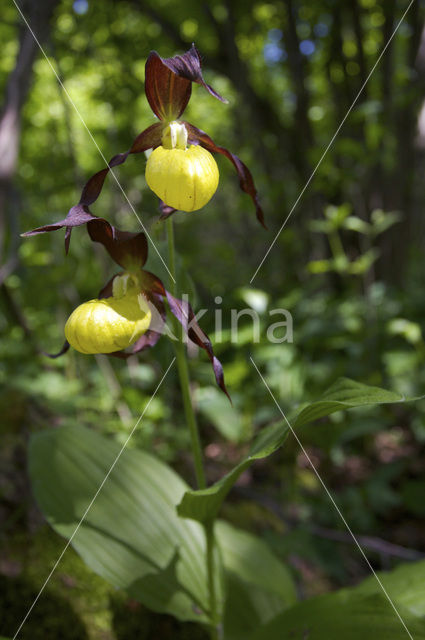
(185,178)
(108,325)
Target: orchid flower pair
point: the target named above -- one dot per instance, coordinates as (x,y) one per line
(184,174)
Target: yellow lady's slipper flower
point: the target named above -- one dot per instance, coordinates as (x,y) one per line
(130,310)
(186,180)
(184,177)
(108,325)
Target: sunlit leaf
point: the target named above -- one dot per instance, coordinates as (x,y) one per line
(383,220)
(203,505)
(405,584)
(344,394)
(411,331)
(354,223)
(258,585)
(364,262)
(132,535)
(341,616)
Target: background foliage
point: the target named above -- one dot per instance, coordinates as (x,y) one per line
(348,266)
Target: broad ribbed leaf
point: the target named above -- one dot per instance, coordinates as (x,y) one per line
(406,584)
(358,612)
(258,585)
(341,617)
(204,504)
(132,535)
(344,394)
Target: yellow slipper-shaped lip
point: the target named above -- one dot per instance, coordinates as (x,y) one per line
(108,325)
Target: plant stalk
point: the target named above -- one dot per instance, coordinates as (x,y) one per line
(183,372)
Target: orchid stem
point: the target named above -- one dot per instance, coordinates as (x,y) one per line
(183,372)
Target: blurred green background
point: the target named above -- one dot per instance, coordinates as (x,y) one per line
(348,266)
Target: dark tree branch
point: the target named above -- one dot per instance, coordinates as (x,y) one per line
(383,547)
(38,15)
(401,108)
(168,27)
(297,69)
(336,54)
(356,14)
(387,61)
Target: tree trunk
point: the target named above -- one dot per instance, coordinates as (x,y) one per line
(38,15)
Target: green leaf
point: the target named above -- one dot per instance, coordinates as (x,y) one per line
(338,214)
(319,266)
(354,223)
(204,504)
(258,585)
(253,561)
(361,611)
(411,331)
(405,584)
(132,535)
(341,617)
(382,220)
(364,262)
(343,394)
(257,299)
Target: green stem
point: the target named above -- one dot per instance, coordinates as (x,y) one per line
(337,247)
(190,415)
(183,372)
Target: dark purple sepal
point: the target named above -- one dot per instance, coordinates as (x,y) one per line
(80,214)
(129,250)
(165,210)
(64,349)
(246,181)
(168,82)
(150,138)
(146,341)
(189,66)
(186,317)
(166,92)
(76,217)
